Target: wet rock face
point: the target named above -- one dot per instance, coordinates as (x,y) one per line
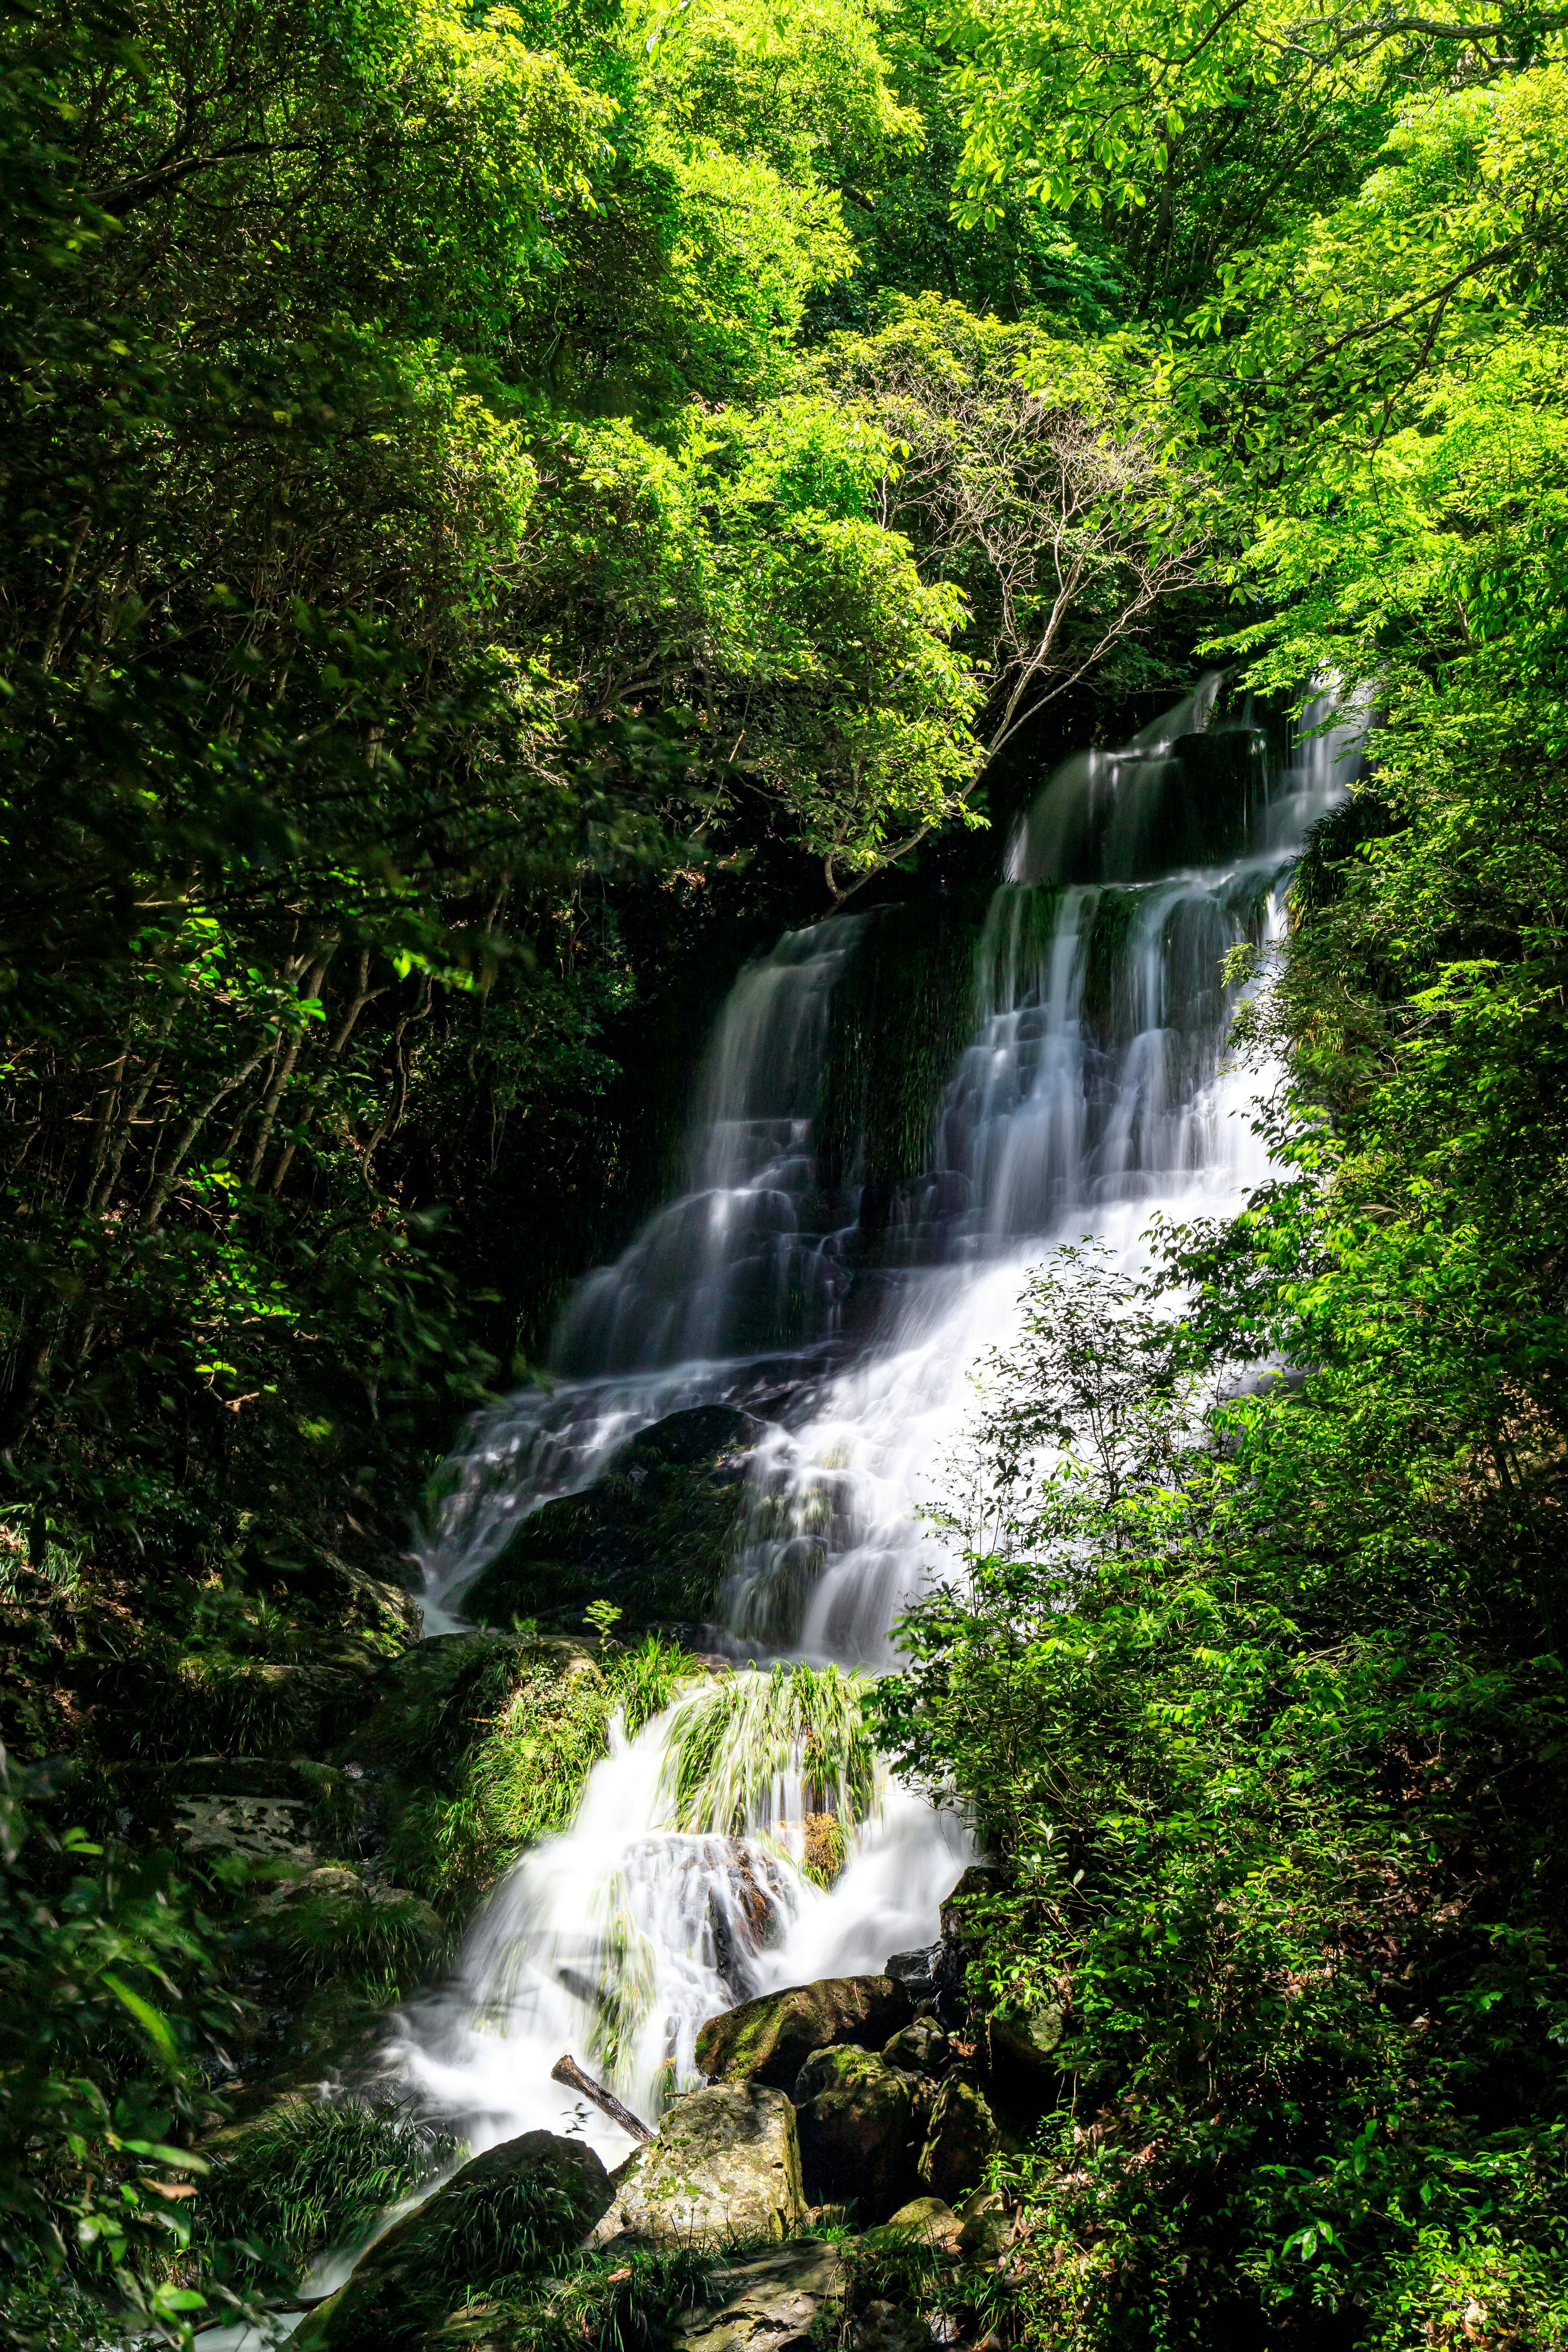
(771,2305)
(725,2164)
(653,1534)
(513,2210)
(960,2142)
(769,2039)
(854,2120)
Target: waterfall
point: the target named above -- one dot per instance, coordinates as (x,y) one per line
(1094,1090)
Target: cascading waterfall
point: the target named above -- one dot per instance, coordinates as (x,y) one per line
(1094,1091)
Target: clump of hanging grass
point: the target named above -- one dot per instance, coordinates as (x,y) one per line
(752,1750)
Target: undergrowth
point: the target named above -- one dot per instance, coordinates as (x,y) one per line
(523,1779)
(312,2174)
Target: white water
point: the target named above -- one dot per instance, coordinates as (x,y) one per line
(1095,1092)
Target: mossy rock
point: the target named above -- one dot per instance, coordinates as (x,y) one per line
(770,2039)
(421,1720)
(855,2119)
(333,1923)
(959,2143)
(724,2165)
(653,1535)
(515,2212)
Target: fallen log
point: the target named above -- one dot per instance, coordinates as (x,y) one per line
(566,2070)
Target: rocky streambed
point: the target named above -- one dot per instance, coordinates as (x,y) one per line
(828,2185)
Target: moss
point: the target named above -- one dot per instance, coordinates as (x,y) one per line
(900,1018)
(1106,1002)
(656,1534)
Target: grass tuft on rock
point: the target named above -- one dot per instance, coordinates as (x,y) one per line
(310,2173)
(756,1749)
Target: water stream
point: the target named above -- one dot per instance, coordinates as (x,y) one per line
(1094,1091)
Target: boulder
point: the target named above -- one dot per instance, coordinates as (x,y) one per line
(960,2142)
(520,2208)
(917,1971)
(770,2039)
(1020,2072)
(924,2222)
(854,2121)
(781,2302)
(725,2164)
(986,2225)
(653,1534)
(921,2047)
(962,1924)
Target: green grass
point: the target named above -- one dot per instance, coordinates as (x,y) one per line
(736,1739)
(310,2173)
(522,1779)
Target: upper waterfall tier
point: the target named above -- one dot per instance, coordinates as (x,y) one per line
(855,1173)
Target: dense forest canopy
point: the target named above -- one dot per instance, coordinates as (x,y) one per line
(500,512)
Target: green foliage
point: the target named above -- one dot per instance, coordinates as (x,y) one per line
(522,1779)
(335,1926)
(310,2173)
(111,1997)
(615,2303)
(1239,1690)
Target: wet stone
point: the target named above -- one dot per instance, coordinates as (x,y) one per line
(960,2142)
(855,2123)
(520,2207)
(769,2039)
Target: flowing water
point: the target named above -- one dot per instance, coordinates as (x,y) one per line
(849,1315)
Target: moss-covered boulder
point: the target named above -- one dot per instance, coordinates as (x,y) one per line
(926,2221)
(653,1535)
(920,2047)
(725,2164)
(336,1923)
(854,2120)
(515,2212)
(960,2142)
(770,2039)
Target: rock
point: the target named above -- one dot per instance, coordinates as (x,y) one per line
(520,2207)
(725,2164)
(771,2304)
(921,2046)
(884,2328)
(916,1971)
(770,2039)
(264,1829)
(1020,2069)
(927,2221)
(986,2225)
(853,2124)
(332,1923)
(962,1915)
(653,1534)
(960,2143)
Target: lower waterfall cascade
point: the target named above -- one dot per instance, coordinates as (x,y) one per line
(1093,1094)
